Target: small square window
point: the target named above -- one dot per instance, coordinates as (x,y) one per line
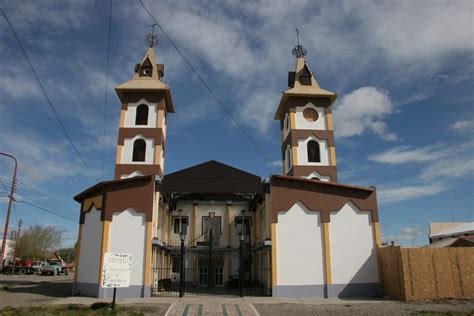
(178,222)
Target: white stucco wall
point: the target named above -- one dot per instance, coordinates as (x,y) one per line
(131,114)
(302,123)
(128,235)
(353,254)
(91,241)
(127,152)
(315,174)
(300,254)
(303,152)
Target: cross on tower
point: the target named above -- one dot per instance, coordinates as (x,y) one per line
(152,38)
(299,51)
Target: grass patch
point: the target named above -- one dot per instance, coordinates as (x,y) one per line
(103,309)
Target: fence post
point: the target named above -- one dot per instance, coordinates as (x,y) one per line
(241,268)
(181,271)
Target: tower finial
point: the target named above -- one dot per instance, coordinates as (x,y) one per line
(299,51)
(152,38)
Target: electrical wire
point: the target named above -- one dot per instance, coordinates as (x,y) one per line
(106,83)
(204,83)
(58,119)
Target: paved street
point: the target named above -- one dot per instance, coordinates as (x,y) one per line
(30,291)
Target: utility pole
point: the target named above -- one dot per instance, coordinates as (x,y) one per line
(16,247)
(5,231)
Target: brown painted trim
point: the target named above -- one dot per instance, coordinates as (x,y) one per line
(137,193)
(152,97)
(303,171)
(293,102)
(131,132)
(319,196)
(83,212)
(145,169)
(139,196)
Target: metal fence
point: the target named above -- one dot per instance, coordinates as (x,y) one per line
(203,267)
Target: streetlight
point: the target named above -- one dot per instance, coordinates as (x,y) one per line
(241,231)
(182,236)
(5,232)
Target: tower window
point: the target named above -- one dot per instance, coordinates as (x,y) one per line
(142,115)
(311,115)
(313,151)
(305,77)
(139,149)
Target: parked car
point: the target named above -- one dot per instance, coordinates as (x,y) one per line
(38,266)
(55,267)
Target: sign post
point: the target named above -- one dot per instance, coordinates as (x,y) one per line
(116,271)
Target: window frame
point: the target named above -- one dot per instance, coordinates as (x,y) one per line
(135,154)
(318,147)
(141,117)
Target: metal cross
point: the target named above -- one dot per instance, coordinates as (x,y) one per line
(299,51)
(152,38)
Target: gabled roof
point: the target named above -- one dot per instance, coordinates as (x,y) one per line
(100,187)
(212,177)
(300,90)
(148,84)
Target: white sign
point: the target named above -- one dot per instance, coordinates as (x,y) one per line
(116,270)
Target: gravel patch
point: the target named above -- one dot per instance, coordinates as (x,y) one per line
(386,308)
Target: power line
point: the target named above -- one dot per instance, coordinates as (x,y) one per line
(46,96)
(21,186)
(41,199)
(262,152)
(106,83)
(49,211)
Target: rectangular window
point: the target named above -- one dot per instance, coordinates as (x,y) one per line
(179,222)
(175,264)
(246,220)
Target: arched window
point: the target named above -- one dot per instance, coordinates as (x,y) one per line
(142,115)
(139,149)
(313,151)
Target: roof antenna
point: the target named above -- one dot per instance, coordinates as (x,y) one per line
(152,38)
(299,51)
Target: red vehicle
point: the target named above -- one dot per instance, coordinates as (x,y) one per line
(21,267)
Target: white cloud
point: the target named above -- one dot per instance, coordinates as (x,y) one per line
(413,30)
(441,165)
(405,154)
(410,233)
(405,193)
(462,126)
(41,159)
(363,110)
(452,168)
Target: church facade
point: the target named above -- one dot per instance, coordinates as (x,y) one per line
(212,228)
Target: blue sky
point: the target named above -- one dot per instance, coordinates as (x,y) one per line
(404,119)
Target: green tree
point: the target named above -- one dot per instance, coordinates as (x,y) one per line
(38,242)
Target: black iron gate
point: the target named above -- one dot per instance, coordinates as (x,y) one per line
(210,269)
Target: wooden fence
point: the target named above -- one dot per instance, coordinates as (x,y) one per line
(427,273)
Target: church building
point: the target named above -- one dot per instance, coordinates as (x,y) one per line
(214,229)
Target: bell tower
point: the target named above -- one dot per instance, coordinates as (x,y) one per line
(306,123)
(146,102)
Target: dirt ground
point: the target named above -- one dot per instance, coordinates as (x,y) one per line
(386,308)
(49,295)
(33,290)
